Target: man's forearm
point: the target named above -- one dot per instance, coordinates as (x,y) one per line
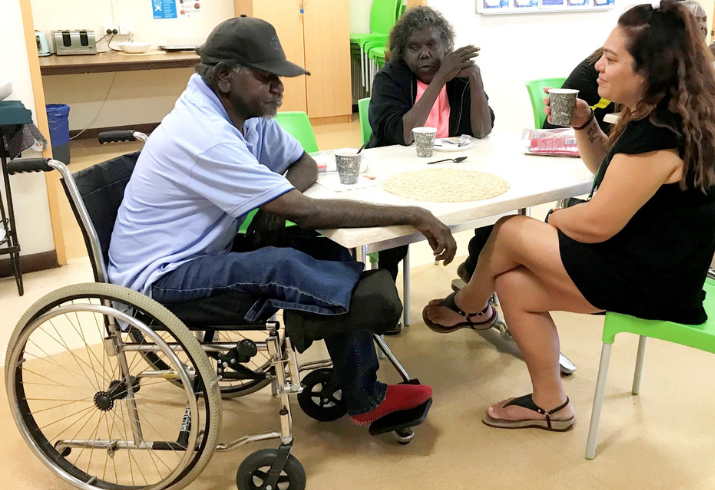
(335,213)
(303,173)
(481,116)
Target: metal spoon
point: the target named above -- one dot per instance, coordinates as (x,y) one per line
(455,160)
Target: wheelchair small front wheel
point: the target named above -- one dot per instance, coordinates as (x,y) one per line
(253,472)
(321,399)
(404,436)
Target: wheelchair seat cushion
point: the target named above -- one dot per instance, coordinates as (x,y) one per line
(374,306)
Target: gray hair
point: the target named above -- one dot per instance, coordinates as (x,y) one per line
(208,71)
(416,19)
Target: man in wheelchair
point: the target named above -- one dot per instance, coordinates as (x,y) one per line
(215,158)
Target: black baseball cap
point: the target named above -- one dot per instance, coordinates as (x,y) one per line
(249,41)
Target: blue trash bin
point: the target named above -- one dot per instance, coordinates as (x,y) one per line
(58,120)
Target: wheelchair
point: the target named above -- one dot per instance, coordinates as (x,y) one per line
(112,390)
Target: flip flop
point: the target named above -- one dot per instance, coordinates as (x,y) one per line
(527,401)
(486,324)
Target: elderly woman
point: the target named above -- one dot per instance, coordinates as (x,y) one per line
(642,245)
(426,83)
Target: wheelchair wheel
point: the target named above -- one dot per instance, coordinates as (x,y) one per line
(320,398)
(230,388)
(92,409)
(253,472)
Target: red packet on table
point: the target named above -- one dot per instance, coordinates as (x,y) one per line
(559,142)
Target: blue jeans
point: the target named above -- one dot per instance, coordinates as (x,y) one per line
(310,274)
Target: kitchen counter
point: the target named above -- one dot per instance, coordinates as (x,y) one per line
(114,62)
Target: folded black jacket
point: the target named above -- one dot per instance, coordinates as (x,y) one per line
(393,95)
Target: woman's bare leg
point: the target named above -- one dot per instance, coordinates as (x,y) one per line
(522,263)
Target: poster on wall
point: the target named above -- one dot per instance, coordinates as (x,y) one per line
(177,9)
(189,9)
(494,5)
(489,7)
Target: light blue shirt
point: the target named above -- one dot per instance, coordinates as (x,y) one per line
(195,180)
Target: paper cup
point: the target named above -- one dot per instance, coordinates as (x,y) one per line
(348,164)
(563,101)
(424,141)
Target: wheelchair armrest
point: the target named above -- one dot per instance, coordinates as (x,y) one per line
(22,165)
(120,136)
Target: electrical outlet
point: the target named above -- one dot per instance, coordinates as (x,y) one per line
(110,29)
(126,28)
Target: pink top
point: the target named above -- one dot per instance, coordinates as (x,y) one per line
(439,115)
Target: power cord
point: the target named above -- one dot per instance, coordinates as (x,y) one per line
(100,108)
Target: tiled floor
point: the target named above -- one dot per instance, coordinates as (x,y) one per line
(661,439)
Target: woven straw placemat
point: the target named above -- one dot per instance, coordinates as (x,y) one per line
(446,185)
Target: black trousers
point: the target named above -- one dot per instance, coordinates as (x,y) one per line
(389,259)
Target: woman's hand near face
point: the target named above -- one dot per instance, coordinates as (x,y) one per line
(454,62)
(581,111)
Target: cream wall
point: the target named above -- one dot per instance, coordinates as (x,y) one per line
(135,97)
(360,16)
(29,192)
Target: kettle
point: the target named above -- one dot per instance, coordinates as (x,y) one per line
(43,47)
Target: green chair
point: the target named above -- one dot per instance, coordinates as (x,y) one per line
(297,125)
(365,128)
(698,336)
(383,15)
(536,94)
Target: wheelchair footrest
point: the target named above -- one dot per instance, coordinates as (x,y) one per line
(401,419)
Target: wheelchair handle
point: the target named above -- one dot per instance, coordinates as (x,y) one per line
(23,165)
(120,135)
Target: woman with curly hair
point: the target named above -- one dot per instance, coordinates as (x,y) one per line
(642,245)
(426,83)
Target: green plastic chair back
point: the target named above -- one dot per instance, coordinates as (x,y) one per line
(383,15)
(298,125)
(697,336)
(365,128)
(401,9)
(536,94)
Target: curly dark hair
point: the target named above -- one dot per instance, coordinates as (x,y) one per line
(668,50)
(416,19)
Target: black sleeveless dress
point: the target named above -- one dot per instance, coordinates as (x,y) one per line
(655,267)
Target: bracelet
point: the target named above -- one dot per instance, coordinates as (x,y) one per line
(588,121)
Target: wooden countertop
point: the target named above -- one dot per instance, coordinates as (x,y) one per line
(114,61)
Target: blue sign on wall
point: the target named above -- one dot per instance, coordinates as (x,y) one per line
(164,9)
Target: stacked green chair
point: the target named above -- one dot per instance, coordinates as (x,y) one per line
(536,94)
(697,336)
(298,125)
(383,15)
(366,129)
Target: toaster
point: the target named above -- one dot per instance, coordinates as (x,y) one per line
(74,42)
(43,47)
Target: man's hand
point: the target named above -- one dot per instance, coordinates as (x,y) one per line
(439,237)
(266,230)
(456,61)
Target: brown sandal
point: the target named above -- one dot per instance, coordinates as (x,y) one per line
(527,401)
(485,324)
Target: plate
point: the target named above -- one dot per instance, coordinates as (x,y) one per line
(450,147)
(178,48)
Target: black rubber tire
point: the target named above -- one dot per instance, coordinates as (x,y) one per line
(254,469)
(314,405)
